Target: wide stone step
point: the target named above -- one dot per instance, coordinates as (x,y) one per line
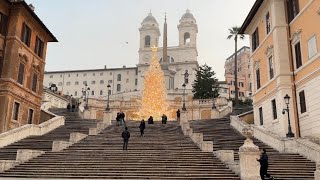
(281,165)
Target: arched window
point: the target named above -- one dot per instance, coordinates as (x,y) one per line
(186,38)
(119,77)
(101,92)
(147,40)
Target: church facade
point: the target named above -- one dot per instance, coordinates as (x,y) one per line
(178,63)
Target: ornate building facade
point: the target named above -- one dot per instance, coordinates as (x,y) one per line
(178,63)
(244,73)
(285,60)
(23,45)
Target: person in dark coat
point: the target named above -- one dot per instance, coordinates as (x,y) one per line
(178,115)
(118,118)
(121,117)
(150,120)
(126,136)
(142,127)
(73,107)
(164,119)
(264,165)
(68,107)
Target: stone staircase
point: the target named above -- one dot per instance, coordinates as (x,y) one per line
(44,143)
(225,137)
(163,153)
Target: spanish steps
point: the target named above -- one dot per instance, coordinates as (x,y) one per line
(163,153)
(225,137)
(44,143)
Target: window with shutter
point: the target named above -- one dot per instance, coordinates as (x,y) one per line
(258,78)
(312,47)
(16,108)
(303,107)
(39,47)
(3,24)
(21,73)
(274,109)
(26,34)
(35,82)
(261,116)
(297,49)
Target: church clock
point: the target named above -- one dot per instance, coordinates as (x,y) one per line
(146,58)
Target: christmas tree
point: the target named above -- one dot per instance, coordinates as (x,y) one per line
(153,101)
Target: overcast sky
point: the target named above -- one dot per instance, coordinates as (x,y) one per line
(94,33)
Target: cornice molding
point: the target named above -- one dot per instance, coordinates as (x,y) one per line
(256,64)
(296,35)
(269,50)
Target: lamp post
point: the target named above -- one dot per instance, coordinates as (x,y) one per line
(71,100)
(286,100)
(108,107)
(186,77)
(184,97)
(213,103)
(86,90)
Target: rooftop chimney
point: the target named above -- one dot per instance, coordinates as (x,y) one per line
(31,7)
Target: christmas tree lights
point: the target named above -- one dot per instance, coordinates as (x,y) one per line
(153,102)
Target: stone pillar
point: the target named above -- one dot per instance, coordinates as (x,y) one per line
(24,155)
(86,114)
(249,166)
(317,172)
(7,164)
(60,145)
(214,114)
(197,138)
(248,155)
(107,117)
(226,156)
(183,117)
(93,114)
(207,146)
(76,137)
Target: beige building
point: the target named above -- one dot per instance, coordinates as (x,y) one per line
(285,59)
(244,73)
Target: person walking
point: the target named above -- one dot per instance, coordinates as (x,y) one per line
(178,115)
(118,118)
(264,165)
(73,107)
(121,117)
(126,136)
(164,119)
(142,127)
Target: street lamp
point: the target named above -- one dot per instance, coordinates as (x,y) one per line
(213,103)
(71,100)
(86,90)
(186,76)
(286,100)
(184,97)
(108,107)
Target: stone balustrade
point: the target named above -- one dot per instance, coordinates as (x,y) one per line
(25,131)
(302,146)
(197,138)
